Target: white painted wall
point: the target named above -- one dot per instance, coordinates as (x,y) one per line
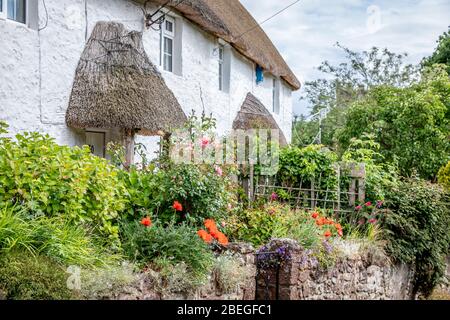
(37,69)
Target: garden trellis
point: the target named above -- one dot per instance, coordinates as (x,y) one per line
(310,194)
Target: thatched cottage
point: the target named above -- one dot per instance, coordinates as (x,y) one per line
(94,71)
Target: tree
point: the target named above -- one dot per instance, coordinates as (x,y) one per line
(350,81)
(411,124)
(441,54)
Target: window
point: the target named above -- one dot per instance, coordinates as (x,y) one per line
(15,10)
(221,68)
(167,50)
(259,74)
(276,96)
(96,142)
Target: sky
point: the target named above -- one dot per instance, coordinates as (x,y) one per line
(306,33)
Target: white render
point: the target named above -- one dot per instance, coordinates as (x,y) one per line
(37,69)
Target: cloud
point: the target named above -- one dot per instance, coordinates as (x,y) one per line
(305,34)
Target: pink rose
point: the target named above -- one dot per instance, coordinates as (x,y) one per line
(219,170)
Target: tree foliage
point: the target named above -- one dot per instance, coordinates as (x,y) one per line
(411,124)
(350,81)
(441,54)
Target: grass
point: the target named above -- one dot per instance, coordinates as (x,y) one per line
(54,237)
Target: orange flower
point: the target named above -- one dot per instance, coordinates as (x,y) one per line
(177,206)
(147,222)
(211,225)
(340,233)
(314,215)
(327,234)
(205,236)
(321,221)
(223,240)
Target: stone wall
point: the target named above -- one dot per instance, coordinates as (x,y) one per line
(300,277)
(145,287)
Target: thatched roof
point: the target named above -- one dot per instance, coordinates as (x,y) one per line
(229,20)
(116,86)
(254,115)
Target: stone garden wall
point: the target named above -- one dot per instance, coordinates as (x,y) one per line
(301,277)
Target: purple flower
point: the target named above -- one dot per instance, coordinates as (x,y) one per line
(379,204)
(328,247)
(274,196)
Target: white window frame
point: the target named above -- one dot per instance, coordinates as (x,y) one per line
(221,60)
(276,103)
(3,10)
(169,35)
(4,13)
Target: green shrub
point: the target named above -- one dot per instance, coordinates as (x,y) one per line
(59,180)
(380,177)
(174,243)
(54,237)
(201,191)
(444,176)
(274,220)
(27,277)
(417,230)
(307,164)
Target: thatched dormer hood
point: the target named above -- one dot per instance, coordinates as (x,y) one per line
(117,86)
(254,115)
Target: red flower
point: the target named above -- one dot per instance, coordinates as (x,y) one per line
(204,142)
(358,208)
(373,220)
(314,215)
(327,234)
(368,204)
(177,206)
(340,232)
(147,222)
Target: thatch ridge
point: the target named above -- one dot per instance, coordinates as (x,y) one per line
(117,86)
(254,115)
(229,20)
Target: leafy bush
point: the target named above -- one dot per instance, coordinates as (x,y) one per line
(53,237)
(444,176)
(59,180)
(417,230)
(380,177)
(177,244)
(275,220)
(27,277)
(200,190)
(306,165)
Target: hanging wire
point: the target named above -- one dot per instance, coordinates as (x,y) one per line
(46,16)
(271,17)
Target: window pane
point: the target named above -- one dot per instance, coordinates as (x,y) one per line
(220,76)
(17,10)
(168,45)
(1,5)
(168,63)
(169,26)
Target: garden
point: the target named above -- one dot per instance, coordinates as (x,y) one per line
(75,226)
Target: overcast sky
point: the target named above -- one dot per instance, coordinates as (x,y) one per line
(305,34)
